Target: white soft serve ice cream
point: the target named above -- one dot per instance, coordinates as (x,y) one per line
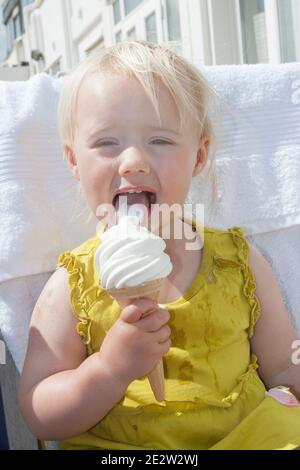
(130,255)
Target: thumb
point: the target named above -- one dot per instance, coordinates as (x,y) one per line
(131,314)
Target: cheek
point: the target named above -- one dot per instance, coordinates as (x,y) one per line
(179,172)
(175,184)
(95,178)
(92,168)
(178,168)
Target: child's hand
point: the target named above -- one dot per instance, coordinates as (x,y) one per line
(134,345)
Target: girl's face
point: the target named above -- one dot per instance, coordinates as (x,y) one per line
(118,143)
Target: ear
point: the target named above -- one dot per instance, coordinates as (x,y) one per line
(202,155)
(72,162)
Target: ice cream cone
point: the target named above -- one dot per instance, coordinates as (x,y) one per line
(150,290)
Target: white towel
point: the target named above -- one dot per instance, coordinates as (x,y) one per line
(40,212)
(258,163)
(258,166)
(38,215)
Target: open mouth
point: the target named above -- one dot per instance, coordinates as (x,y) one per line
(145,198)
(134,203)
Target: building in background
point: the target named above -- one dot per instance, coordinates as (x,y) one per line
(13,20)
(54,35)
(3,50)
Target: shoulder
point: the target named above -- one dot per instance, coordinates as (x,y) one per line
(53,310)
(53,343)
(274,332)
(257,261)
(55,290)
(268,290)
(53,323)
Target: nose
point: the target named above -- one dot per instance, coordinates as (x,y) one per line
(133,161)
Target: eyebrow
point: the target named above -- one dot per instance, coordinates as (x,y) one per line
(165,129)
(154,128)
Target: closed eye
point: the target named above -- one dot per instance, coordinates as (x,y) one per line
(160,141)
(105,143)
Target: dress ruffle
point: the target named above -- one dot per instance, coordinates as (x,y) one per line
(78,296)
(249,287)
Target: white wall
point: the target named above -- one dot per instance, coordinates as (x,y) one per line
(200,32)
(224,32)
(86,27)
(83,13)
(53,32)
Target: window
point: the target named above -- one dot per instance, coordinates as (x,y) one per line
(26,2)
(119,36)
(131,5)
(10,35)
(173,18)
(3,40)
(288,17)
(123,8)
(254,33)
(131,34)
(96,46)
(17,26)
(55,68)
(117,11)
(151,30)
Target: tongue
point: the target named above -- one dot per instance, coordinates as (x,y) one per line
(125,203)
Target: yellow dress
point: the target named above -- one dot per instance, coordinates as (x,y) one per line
(215,398)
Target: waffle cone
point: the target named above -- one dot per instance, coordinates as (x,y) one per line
(149,289)
(124,297)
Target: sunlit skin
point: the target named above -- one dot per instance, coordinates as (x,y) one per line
(119,142)
(132,153)
(135,157)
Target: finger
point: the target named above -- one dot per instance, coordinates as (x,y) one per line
(163,348)
(138,308)
(162,335)
(155,320)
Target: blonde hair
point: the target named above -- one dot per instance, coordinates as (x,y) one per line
(196,100)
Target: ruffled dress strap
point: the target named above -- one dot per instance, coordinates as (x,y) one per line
(83,289)
(249,287)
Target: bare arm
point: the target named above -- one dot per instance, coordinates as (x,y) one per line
(62,392)
(274,338)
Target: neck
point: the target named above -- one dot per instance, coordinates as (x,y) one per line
(177,240)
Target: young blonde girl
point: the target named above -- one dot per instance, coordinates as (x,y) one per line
(137,116)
